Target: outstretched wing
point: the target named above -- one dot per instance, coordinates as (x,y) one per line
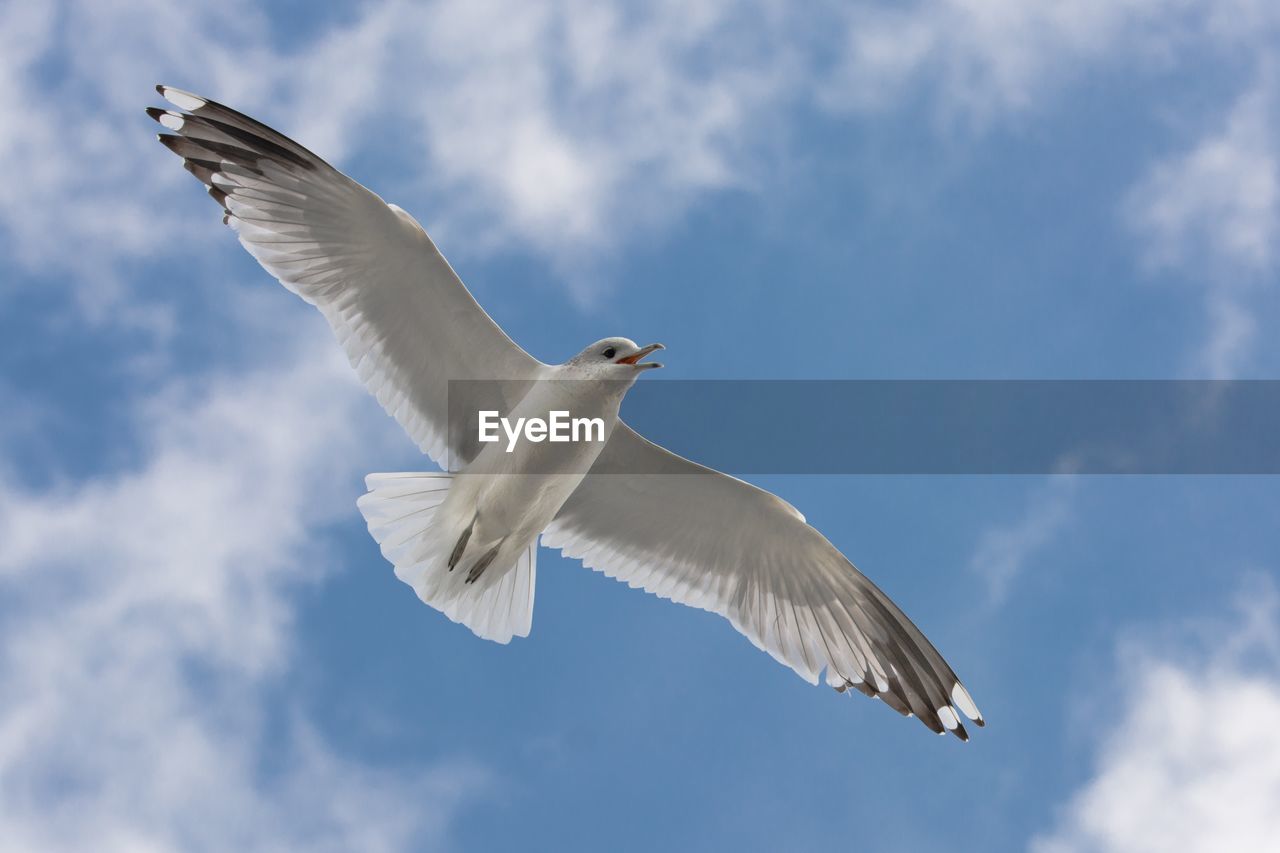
(405,319)
(682,531)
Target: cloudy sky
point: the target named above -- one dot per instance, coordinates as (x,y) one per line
(200,646)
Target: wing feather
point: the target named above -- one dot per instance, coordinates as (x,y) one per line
(685,532)
(403,317)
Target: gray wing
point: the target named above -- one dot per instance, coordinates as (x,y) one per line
(684,532)
(404,318)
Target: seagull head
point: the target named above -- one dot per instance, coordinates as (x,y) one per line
(614,356)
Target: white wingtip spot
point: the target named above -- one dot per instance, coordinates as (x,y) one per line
(964,702)
(182,100)
(173,121)
(948,717)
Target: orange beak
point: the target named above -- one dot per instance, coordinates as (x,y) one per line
(635,357)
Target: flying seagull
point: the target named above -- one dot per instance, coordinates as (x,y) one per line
(466,540)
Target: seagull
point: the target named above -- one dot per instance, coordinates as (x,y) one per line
(466,539)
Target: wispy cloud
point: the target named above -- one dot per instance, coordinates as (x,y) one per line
(1004,551)
(1232,334)
(74,154)
(565,127)
(982,59)
(1212,213)
(1216,206)
(1193,763)
(148,612)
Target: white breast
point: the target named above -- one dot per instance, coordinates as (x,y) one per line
(518,488)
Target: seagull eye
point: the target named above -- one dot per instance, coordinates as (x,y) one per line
(610,352)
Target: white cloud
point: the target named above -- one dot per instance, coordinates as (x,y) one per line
(986,59)
(568,127)
(1193,763)
(571,126)
(1218,203)
(1232,334)
(71,156)
(146,615)
(565,126)
(1004,551)
(1213,212)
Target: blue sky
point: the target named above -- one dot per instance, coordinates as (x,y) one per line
(202,647)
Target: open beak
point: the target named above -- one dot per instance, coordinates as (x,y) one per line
(634,358)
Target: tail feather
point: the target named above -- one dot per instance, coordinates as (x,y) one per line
(402,511)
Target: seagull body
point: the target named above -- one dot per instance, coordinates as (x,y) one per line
(466,539)
(504,498)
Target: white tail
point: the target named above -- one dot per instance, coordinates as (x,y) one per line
(402,513)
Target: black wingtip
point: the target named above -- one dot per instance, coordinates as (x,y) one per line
(160,87)
(155,112)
